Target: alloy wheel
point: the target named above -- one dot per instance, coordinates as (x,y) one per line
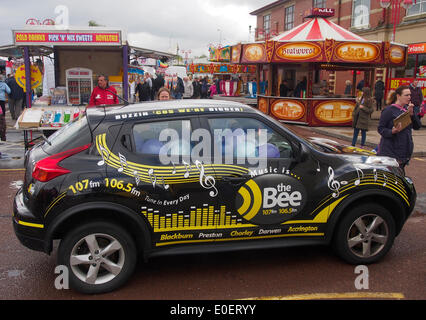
(97,258)
(367,235)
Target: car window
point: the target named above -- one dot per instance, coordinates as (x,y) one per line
(169,137)
(74,134)
(250,138)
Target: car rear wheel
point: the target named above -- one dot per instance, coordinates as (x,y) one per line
(100,257)
(365,234)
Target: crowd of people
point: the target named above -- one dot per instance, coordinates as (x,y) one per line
(146,88)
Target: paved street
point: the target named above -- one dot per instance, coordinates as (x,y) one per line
(290,273)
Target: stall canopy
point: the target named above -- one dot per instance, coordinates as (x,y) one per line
(318,29)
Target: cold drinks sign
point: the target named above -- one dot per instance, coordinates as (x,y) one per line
(66,38)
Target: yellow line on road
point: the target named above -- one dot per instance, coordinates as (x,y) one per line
(420,159)
(327,296)
(6,170)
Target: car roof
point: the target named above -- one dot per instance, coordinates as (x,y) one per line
(156,109)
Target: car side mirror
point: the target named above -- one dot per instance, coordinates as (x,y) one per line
(301,152)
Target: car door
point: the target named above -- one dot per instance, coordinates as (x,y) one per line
(152,167)
(268,189)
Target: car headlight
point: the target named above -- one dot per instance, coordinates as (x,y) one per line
(385,161)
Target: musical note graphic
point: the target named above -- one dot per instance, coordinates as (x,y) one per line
(375,174)
(386,180)
(165,186)
(174,168)
(358,181)
(186,174)
(123,162)
(333,184)
(151,174)
(136,175)
(102,162)
(207,182)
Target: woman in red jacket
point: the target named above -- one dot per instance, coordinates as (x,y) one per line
(103,94)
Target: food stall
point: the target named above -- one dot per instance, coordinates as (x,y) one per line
(314,48)
(225,72)
(80,55)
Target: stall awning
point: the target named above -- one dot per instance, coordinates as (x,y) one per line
(149,53)
(318,29)
(16,51)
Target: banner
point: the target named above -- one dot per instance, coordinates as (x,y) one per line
(66,38)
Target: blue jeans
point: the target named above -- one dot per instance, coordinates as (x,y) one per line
(363,136)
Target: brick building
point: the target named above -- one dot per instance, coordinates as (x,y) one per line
(364,17)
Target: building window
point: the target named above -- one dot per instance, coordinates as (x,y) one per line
(361,14)
(289,18)
(319,4)
(418,8)
(266,24)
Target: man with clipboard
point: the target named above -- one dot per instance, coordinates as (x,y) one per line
(395,125)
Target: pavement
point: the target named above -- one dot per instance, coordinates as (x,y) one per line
(12,150)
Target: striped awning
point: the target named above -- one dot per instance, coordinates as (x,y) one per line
(318,29)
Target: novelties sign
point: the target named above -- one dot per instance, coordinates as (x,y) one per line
(66,38)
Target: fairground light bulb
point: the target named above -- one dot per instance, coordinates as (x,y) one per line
(385,3)
(407,3)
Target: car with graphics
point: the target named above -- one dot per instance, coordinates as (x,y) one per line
(192,176)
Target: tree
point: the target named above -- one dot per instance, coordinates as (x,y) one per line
(93,23)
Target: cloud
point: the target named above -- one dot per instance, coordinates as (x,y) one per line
(158,25)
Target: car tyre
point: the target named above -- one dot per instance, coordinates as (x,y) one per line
(100,257)
(365,234)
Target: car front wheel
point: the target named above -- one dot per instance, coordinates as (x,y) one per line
(365,234)
(100,257)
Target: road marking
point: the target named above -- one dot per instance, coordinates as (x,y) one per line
(6,170)
(420,159)
(346,295)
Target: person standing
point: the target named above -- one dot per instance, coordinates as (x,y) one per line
(361,116)
(379,89)
(397,142)
(148,80)
(143,90)
(4,88)
(197,88)
(348,88)
(284,89)
(188,88)
(103,94)
(416,96)
(16,97)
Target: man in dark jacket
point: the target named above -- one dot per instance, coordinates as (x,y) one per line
(16,97)
(379,88)
(197,88)
(416,95)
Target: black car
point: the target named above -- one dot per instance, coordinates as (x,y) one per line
(194,176)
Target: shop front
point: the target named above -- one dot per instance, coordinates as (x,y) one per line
(415,68)
(79,57)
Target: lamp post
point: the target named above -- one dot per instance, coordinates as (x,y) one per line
(396,8)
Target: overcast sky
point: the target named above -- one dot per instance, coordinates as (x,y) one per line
(157,24)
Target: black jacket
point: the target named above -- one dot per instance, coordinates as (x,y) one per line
(16,92)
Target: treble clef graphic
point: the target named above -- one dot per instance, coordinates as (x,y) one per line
(333,184)
(207,182)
